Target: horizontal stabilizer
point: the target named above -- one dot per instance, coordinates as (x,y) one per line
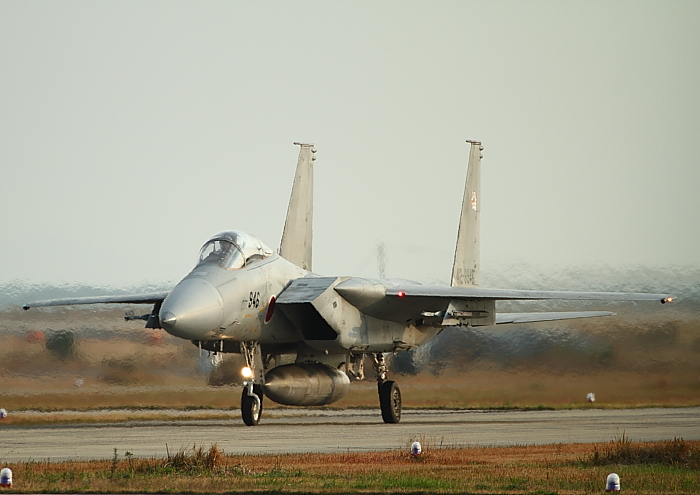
(502,318)
(147,298)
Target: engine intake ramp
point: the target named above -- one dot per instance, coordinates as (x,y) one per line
(331,324)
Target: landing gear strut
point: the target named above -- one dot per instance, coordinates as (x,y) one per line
(389,392)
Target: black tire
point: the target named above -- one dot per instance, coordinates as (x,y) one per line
(390,401)
(249,406)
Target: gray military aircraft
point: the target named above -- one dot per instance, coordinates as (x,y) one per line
(245,298)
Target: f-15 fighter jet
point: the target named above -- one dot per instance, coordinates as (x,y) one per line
(243,297)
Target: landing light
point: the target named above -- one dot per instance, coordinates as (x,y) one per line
(247,372)
(667,300)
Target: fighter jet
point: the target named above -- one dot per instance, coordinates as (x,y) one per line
(269,306)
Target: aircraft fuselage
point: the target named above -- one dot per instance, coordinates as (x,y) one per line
(213,303)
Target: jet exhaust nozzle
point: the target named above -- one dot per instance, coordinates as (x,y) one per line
(305,384)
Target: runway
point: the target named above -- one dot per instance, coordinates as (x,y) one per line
(290,431)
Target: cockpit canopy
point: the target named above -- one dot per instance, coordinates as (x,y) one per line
(233,250)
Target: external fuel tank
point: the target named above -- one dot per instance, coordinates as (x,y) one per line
(305,384)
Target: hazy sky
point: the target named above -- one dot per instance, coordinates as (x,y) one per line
(130,132)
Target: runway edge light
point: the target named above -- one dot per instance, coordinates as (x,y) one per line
(416,449)
(612,484)
(6,478)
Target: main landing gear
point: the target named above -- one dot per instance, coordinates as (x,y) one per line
(389,392)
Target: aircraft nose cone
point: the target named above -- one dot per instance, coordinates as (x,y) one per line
(168,318)
(193,310)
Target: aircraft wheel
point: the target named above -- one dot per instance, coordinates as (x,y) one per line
(390,401)
(251,409)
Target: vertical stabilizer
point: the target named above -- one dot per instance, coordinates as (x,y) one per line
(465,272)
(298,234)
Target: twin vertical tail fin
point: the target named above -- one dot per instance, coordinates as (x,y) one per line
(298,233)
(465,272)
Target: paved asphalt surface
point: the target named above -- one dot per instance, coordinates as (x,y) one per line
(288,431)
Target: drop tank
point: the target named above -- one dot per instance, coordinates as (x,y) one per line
(305,384)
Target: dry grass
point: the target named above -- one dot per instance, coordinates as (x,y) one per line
(528,389)
(110,397)
(561,468)
(622,450)
(33,418)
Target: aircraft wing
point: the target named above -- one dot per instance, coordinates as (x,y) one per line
(147,298)
(455,306)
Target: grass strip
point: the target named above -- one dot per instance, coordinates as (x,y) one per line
(644,467)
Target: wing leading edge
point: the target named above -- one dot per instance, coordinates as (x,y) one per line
(146,298)
(521,295)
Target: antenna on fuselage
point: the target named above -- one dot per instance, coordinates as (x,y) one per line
(465,271)
(298,233)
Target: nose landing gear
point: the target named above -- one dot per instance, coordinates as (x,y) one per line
(251,403)
(252,396)
(389,392)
